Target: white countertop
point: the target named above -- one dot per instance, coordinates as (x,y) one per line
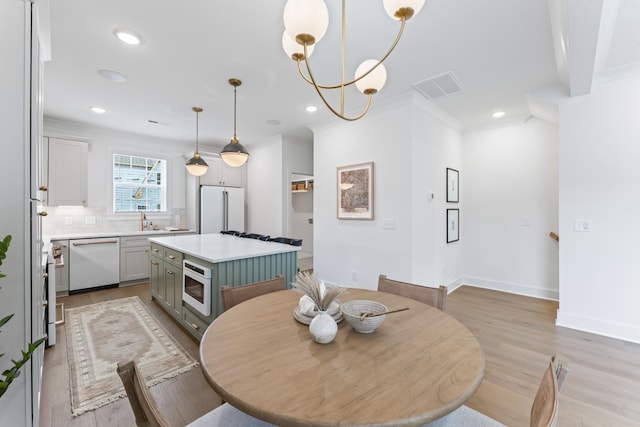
(91,235)
(221,247)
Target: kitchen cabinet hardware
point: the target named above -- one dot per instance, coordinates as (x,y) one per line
(171,257)
(195,326)
(43,213)
(43,188)
(170,272)
(154,263)
(100,242)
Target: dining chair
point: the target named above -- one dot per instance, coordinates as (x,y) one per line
(142,402)
(147,414)
(544,411)
(435,297)
(235,295)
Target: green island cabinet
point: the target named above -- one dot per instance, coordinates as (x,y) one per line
(233,261)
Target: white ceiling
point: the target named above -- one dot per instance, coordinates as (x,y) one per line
(500,51)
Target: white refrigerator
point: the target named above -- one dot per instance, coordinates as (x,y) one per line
(221,209)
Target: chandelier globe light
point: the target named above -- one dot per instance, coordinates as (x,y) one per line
(306,22)
(234,154)
(196,165)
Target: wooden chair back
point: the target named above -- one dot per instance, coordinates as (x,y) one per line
(544,411)
(435,297)
(235,295)
(142,402)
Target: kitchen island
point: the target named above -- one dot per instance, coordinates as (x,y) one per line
(229,260)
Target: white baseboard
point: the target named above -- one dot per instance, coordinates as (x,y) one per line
(513,288)
(597,326)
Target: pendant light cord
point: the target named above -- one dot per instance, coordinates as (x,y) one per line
(235,96)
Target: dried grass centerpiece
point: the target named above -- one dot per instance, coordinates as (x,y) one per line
(321,295)
(323,327)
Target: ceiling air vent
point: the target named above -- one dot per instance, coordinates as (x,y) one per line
(438,86)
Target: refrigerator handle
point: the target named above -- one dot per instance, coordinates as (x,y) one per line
(225,210)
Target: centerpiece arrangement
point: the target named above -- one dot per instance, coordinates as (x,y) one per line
(323,326)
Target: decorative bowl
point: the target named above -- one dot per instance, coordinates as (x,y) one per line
(352,311)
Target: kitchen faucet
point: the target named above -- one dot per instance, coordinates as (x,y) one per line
(143,218)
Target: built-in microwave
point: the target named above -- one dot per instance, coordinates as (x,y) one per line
(196,286)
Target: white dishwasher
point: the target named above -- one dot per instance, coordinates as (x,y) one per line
(94,263)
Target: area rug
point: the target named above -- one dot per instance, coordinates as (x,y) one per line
(100,335)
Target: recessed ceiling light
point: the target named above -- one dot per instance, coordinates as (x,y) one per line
(127,36)
(498,114)
(311,108)
(98,110)
(114,76)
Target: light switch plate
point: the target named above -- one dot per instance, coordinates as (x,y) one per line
(90,220)
(582,225)
(389,223)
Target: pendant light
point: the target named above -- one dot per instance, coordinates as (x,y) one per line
(196,165)
(234,154)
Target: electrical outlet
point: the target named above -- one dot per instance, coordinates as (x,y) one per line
(354,276)
(90,220)
(389,223)
(68,220)
(525,221)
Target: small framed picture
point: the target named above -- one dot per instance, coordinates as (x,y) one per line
(453,225)
(453,186)
(355,191)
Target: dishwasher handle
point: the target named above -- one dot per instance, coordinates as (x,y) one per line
(102,242)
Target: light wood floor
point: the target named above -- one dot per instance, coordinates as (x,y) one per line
(517,333)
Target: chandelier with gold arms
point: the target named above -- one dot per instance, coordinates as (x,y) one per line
(306,22)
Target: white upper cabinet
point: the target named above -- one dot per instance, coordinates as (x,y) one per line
(219,173)
(67,171)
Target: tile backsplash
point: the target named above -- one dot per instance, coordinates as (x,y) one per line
(66,220)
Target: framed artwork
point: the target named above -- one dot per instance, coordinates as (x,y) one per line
(453,186)
(453,225)
(355,191)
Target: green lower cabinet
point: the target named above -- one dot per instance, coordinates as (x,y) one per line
(173,288)
(165,276)
(156,275)
(166,281)
(195,323)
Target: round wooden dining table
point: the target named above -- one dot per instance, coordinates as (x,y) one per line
(416,367)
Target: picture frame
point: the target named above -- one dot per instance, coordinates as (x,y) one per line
(355,191)
(453,225)
(453,186)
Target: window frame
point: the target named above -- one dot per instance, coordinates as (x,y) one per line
(163,186)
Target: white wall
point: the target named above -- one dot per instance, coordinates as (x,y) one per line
(599,178)
(265,191)
(510,193)
(436,145)
(104,143)
(409,148)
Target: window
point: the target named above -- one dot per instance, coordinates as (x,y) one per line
(139,184)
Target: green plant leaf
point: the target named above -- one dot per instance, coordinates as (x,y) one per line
(5,320)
